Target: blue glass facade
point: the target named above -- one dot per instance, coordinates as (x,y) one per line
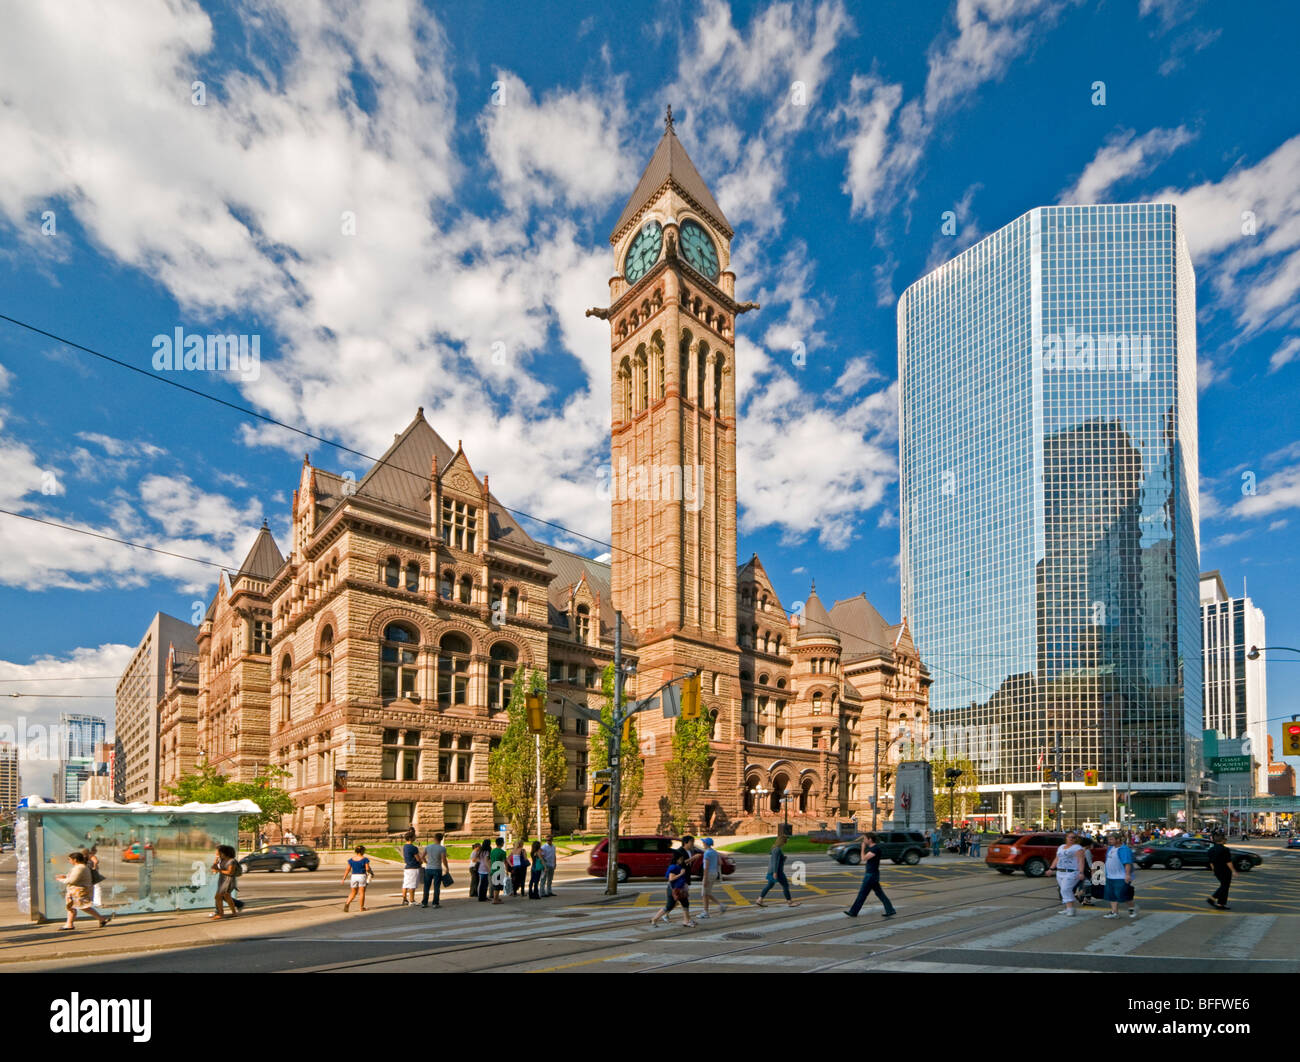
(1049,512)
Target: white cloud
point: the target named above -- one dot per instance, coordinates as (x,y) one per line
(1124,155)
(1276,493)
(1207,374)
(1285,354)
(858,372)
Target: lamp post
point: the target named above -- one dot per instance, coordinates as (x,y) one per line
(758,793)
(951,775)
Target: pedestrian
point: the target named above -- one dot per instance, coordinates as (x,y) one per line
(1221,864)
(473,870)
(499,871)
(536,871)
(678,876)
(484,869)
(776,874)
(975,843)
(1068,867)
(227,868)
(410,869)
(360,874)
(710,873)
(92,861)
(963,842)
(936,841)
(77,886)
(435,866)
(871,854)
(518,869)
(1119,876)
(548,860)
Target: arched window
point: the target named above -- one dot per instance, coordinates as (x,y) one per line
(657,344)
(805,796)
(412,576)
(713,724)
(325,658)
(512,602)
(398,662)
(466,589)
(817,703)
(625,389)
(684,372)
(717,683)
(718,365)
(453,669)
(503,660)
(780,684)
(392,572)
(446,583)
(286,688)
(763,678)
(642,381)
(584,624)
(701,373)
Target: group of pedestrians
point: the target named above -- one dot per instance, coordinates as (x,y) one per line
(494,871)
(1075,878)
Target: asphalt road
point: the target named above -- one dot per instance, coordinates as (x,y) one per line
(954,915)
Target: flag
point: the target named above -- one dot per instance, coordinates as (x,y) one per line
(672,702)
(1041,756)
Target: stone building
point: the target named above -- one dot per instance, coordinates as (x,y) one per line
(178,715)
(410,601)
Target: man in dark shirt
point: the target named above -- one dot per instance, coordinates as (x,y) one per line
(688,846)
(1221,864)
(871,853)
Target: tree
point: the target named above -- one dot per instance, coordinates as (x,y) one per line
(206,785)
(965,794)
(512,765)
(632,768)
(688,769)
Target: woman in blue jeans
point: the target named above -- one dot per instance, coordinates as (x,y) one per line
(871,853)
(776,874)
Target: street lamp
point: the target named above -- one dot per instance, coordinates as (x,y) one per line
(1255,650)
(758,793)
(952,774)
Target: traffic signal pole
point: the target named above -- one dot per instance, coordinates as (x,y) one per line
(615,760)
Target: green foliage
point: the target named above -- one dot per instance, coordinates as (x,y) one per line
(688,769)
(632,772)
(512,765)
(206,785)
(965,793)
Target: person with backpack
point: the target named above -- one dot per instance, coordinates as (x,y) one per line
(227,867)
(359,874)
(776,874)
(678,890)
(710,873)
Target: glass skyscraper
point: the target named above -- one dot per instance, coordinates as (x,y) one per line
(1049,513)
(80,736)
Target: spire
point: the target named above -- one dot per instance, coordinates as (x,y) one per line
(670,163)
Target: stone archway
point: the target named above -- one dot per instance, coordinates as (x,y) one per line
(780,786)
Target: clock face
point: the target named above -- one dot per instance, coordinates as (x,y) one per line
(698,249)
(644,251)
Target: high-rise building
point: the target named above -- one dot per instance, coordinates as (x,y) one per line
(80,737)
(1235,692)
(1049,509)
(140,691)
(10,781)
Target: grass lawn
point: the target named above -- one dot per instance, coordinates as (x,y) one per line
(763,845)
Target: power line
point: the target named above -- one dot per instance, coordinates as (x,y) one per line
(68,678)
(119,541)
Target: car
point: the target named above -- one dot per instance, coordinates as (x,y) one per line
(1031,852)
(1293,842)
(1188,852)
(902,846)
(282,857)
(647,856)
(135,852)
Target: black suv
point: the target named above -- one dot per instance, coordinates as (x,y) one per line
(285,857)
(902,846)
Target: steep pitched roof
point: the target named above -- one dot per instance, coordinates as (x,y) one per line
(264,559)
(671,163)
(569,568)
(816,621)
(863,631)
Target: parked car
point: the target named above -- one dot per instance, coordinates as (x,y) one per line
(647,856)
(1189,852)
(902,846)
(283,857)
(1031,852)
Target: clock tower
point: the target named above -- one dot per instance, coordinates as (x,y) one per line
(672,319)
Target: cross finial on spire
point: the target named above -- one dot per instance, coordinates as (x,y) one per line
(814,585)
(668,119)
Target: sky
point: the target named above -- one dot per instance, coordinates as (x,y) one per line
(409,205)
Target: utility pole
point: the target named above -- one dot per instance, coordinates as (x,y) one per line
(615,760)
(537,750)
(1060,808)
(875,782)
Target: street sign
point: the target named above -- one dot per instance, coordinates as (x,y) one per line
(1230,764)
(600,795)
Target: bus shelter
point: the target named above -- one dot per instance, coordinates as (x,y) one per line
(154,858)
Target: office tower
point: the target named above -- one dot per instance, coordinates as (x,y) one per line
(80,735)
(1049,512)
(1235,693)
(10,782)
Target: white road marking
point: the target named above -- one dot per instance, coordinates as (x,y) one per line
(1241,939)
(770,962)
(916,966)
(1132,936)
(889,929)
(1019,934)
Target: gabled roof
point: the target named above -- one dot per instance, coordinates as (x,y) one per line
(671,163)
(863,631)
(569,569)
(264,559)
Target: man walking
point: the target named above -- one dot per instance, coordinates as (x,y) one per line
(710,872)
(548,867)
(1221,864)
(435,866)
(975,843)
(936,842)
(871,878)
(776,874)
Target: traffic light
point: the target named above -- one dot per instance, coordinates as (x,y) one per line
(600,795)
(535,704)
(1291,738)
(1091,778)
(691,698)
(627,731)
(1049,775)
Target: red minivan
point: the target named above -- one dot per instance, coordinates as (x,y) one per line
(647,856)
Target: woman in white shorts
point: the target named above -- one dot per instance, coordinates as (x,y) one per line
(1068,868)
(359,873)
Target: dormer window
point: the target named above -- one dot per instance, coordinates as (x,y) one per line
(459,525)
(392,572)
(583,627)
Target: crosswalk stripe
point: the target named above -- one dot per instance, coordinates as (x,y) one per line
(735,895)
(1241,938)
(890,928)
(1016,934)
(493,923)
(770,962)
(814,888)
(917,966)
(1130,937)
(766,926)
(643,900)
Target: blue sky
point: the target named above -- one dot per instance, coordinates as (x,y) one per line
(483,156)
